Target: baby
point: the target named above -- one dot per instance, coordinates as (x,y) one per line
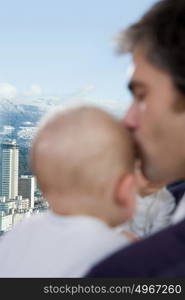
(83,159)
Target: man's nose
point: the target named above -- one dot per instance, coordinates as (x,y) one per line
(131,118)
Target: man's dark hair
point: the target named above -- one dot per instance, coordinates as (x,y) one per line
(161,33)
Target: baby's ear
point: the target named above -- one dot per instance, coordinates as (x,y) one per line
(125,195)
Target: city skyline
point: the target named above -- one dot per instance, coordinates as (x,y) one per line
(19,194)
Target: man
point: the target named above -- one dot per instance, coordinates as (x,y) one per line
(157,121)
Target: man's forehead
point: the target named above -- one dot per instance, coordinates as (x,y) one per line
(136,71)
(143,73)
(140,65)
(137,77)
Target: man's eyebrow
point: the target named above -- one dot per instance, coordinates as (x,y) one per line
(134,84)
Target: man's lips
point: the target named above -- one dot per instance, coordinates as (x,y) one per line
(137,145)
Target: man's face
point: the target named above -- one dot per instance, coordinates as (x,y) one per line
(158,130)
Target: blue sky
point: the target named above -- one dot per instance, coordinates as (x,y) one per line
(64,49)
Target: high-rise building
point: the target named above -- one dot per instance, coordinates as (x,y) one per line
(5,222)
(27,188)
(9,169)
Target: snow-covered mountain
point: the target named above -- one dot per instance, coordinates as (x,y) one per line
(19,120)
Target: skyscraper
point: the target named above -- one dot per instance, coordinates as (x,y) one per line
(9,169)
(27,188)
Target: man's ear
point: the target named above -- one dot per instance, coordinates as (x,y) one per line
(125,195)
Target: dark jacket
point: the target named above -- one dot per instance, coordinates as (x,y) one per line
(177,189)
(160,255)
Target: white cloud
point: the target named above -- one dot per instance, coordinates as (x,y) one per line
(34,91)
(7,91)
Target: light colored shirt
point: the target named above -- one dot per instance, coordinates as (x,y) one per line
(50,245)
(179,213)
(153,213)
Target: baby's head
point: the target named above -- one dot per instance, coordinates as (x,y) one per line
(83,159)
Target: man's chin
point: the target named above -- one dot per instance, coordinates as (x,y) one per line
(153,170)
(148,170)
(144,164)
(154,176)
